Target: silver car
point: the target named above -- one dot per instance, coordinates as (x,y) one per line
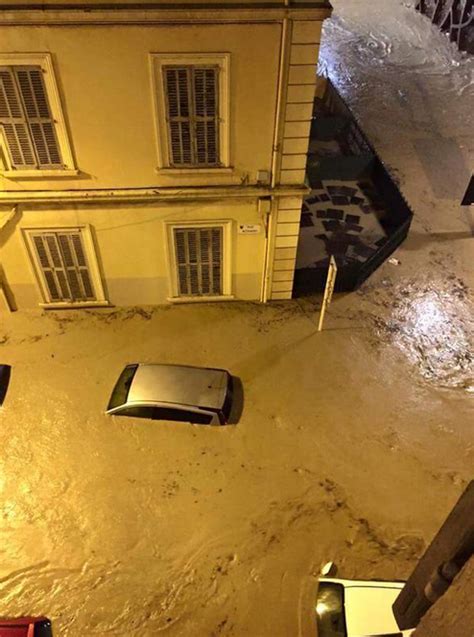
(173,392)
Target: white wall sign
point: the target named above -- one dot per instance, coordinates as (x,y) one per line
(249,228)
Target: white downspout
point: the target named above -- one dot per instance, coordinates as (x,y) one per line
(276,152)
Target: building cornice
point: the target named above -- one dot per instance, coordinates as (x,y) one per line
(147,195)
(165,14)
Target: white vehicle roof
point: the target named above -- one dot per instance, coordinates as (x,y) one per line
(368,607)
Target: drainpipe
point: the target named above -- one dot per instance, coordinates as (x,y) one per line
(270,224)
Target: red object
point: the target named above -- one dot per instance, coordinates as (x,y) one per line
(26,627)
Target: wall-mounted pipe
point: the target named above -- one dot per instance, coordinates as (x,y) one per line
(276,152)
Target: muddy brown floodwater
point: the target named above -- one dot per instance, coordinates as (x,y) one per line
(353,444)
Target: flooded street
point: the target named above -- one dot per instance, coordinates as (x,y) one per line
(353,444)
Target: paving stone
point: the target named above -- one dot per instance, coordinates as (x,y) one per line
(334,213)
(345,191)
(331,225)
(352,219)
(339,200)
(353,227)
(306,220)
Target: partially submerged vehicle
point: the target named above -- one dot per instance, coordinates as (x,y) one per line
(199,395)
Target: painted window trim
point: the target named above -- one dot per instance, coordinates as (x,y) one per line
(170,251)
(157,62)
(196,172)
(92,261)
(38,173)
(45,61)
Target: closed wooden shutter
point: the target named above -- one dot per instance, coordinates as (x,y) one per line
(205,112)
(62,261)
(192,115)
(13,122)
(199,261)
(26,118)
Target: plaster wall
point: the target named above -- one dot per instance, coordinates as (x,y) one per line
(104,78)
(132,251)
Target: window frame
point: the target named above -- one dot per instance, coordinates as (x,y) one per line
(158,61)
(45,62)
(92,264)
(170,251)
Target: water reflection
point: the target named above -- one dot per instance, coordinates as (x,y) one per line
(434,328)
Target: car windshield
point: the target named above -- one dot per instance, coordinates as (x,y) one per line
(330,610)
(121,389)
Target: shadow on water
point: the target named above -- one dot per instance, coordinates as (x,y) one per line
(5,373)
(237,401)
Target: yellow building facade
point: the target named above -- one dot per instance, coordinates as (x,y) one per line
(151,154)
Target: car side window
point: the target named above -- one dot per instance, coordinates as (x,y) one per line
(182,415)
(166,413)
(138,412)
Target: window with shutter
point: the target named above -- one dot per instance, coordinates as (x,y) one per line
(192,114)
(26,119)
(199,260)
(62,261)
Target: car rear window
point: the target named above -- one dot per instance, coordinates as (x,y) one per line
(5,371)
(122,387)
(330,617)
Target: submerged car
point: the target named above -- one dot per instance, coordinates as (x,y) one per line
(357,608)
(26,627)
(197,395)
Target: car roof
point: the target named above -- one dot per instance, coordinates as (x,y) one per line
(179,385)
(364,583)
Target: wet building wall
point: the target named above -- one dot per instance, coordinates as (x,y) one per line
(103,76)
(129,248)
(106,87)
